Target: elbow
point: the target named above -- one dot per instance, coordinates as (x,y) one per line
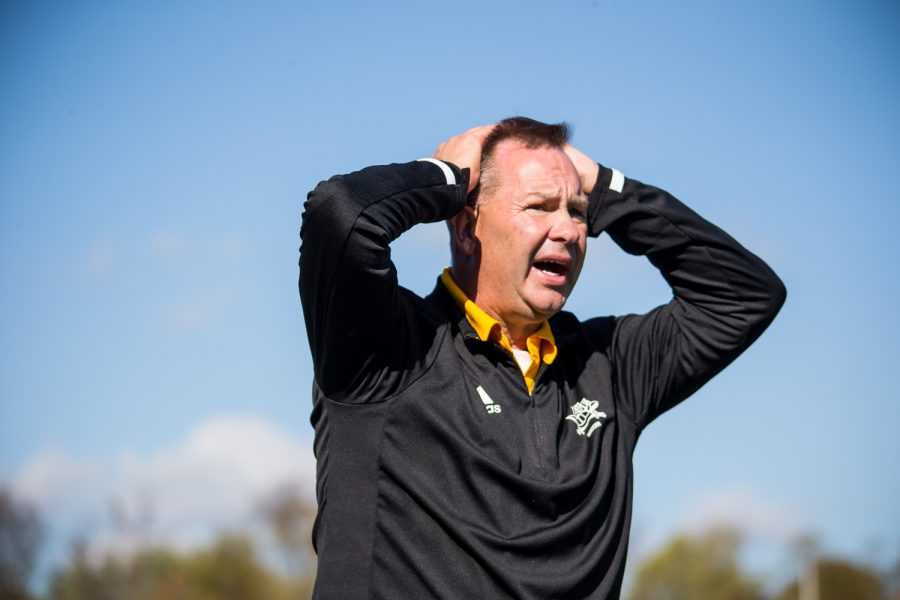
(777,295)
(766,304)
(328,206)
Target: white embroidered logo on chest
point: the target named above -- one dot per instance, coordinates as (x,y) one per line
(489,405)
(586,416)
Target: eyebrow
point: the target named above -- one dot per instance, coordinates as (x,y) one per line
(579,202)
(544,195)
(554,196)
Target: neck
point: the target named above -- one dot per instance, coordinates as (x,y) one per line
(516,330)
(518,337)
(466,281)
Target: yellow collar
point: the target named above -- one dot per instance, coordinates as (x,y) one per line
(489,328)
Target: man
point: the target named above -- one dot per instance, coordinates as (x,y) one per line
(477,443)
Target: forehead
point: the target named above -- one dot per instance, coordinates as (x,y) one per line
(544,169)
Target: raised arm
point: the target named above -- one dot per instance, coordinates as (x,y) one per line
(356,318)
(724,296)
(358,322)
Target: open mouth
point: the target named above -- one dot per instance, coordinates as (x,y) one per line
(551,267)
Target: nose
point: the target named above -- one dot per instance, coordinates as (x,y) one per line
(565,228)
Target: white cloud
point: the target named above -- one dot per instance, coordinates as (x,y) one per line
(229,248)
(768,527)
(167,245)
(747,511)
(100,258)
(213,479)
(170,245)
(54,480)
(189,315)
(219,470)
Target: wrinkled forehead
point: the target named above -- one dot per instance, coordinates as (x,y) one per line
(544,170)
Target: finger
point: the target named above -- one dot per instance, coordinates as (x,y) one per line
(482,132)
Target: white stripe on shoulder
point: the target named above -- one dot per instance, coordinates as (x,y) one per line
(618,181)
(448,172)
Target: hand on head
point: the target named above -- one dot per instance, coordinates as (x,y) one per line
(587,168)
(464,151)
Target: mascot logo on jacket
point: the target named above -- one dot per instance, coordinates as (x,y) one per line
(586,416)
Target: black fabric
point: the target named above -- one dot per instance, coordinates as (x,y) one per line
(424,490)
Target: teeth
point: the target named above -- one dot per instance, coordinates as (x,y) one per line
(551,268)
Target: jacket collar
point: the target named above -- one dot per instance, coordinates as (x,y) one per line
(441,298)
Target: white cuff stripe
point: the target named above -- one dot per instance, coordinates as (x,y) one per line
(448,172)
(618,181)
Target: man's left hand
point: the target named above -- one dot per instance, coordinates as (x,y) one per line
(587,168)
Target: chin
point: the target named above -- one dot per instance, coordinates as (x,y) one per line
(549,307)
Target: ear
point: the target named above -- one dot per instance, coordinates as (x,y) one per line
(462,228)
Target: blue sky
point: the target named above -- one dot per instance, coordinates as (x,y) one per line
(154,157)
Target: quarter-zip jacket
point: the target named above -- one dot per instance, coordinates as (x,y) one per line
(438,474)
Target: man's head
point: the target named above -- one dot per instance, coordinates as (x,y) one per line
(528,132)
(519,246)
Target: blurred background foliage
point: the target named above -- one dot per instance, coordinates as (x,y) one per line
(234,566)
(237,566)
(706,566)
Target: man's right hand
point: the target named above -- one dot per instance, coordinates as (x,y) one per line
(464,151)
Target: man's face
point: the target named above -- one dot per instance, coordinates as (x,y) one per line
(532,231)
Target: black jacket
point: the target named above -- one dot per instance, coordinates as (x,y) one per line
(425,491)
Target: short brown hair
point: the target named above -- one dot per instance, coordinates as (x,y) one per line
(531,133)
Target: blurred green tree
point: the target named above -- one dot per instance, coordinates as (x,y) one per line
(691,567)
(20,539)
(290,519)
(836,579)
(230,571)
(227,570)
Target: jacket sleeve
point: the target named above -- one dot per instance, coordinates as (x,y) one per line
(357,321)
(724,296)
